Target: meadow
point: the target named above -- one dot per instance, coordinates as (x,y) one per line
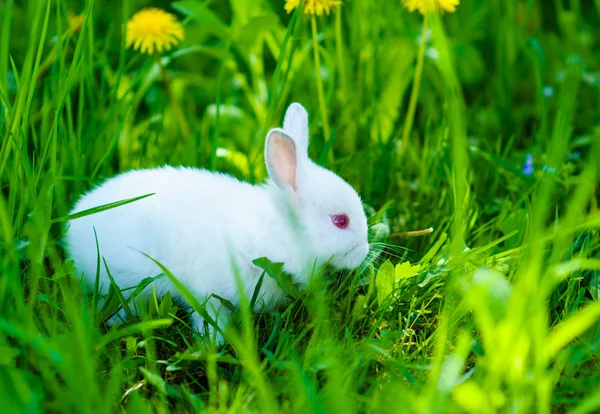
(481,123)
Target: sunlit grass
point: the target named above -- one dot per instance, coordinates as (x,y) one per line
(496,310)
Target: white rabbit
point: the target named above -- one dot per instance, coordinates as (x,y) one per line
(201,224)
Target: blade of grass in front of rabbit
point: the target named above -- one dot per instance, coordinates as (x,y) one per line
(188,296)
(99,209)
(246,346)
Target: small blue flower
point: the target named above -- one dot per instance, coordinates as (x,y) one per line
(528,165)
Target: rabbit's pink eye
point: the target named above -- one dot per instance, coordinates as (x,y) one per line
(340,220)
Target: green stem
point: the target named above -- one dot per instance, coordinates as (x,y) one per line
(321,95)
(414,94)
(214,137)
(185,130)
(340,54)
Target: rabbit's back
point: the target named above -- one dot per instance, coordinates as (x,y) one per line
(186,225)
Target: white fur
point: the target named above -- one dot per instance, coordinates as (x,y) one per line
(199,223)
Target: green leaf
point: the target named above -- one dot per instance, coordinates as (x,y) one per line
(98,209)
(226,303)
(385,281)
(117,292)
(435,248)
(275,271)
(406,270)
(142,285)
(188,296)
(166,306)
(133,329)
(256,293)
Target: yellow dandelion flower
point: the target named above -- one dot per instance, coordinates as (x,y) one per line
(153,29)
(430,6)
(312,7)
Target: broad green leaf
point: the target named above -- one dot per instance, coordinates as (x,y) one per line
(275,271)
(385,281)
(405,270)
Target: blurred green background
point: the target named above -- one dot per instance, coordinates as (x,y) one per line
(498,311)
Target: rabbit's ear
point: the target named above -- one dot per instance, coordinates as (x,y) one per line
(295,123)
(281,159)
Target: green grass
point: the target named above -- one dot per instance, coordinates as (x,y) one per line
(499,311)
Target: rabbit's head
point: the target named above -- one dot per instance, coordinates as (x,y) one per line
(327,210)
